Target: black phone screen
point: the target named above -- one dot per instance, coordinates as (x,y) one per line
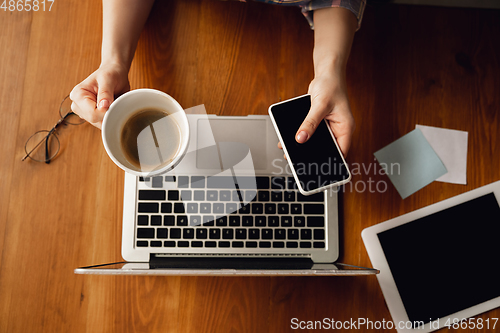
(317,162)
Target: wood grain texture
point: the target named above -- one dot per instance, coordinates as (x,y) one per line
(409,65)
(14,39)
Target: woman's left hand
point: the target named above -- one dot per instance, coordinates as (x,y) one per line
(329,101)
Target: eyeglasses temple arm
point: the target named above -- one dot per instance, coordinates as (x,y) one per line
(47,159)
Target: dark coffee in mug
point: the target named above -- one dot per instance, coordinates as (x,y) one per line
(150,139)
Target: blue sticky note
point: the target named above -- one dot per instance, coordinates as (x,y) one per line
(410,162)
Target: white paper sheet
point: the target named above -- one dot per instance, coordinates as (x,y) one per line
(416,163)
(451,147)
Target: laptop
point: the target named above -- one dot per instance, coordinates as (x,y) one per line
(230,207)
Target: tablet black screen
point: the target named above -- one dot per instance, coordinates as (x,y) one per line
(448,261)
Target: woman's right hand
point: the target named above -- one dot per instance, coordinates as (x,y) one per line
(92,97)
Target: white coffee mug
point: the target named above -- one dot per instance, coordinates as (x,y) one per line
(126,107)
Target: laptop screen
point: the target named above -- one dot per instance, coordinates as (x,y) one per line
(229,140)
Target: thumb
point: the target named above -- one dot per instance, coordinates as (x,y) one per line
(309,125)
(105,95)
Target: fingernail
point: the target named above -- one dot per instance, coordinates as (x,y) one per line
(302,137)
(103,104)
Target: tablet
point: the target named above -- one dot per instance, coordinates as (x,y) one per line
(440,264)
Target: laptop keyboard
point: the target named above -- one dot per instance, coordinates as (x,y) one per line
(207,212)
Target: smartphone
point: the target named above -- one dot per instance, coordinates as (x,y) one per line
(317,164)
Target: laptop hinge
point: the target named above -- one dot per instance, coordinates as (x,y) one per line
(229,263)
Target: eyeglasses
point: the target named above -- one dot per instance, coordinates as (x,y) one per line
(44,145)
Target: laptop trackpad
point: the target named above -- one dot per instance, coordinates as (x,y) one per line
(227,142)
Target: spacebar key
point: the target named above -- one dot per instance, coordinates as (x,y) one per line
(314,209)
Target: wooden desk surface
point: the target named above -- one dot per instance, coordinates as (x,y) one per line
(409,65)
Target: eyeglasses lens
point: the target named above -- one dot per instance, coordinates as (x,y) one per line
(42,147)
